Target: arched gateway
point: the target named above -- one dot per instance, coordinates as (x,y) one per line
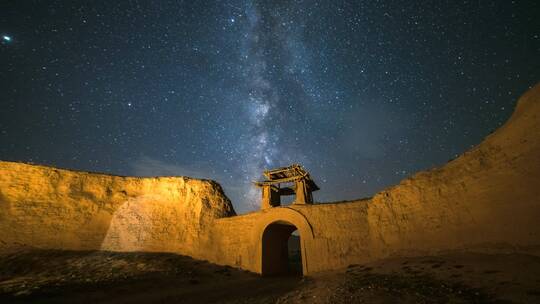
(272,234)
(275,252)
(279,222)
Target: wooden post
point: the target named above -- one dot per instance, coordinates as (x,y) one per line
(270,197)
(303,195)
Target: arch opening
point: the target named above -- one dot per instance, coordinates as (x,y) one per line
(281,250)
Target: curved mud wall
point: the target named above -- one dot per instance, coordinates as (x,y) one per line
(486,200)
(53,208)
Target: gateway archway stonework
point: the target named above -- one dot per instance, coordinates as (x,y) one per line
(284,215)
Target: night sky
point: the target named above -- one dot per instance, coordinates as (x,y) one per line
(362,93)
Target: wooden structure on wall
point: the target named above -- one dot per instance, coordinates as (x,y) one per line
(302,186)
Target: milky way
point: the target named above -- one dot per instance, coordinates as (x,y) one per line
(362,93)
(266,47)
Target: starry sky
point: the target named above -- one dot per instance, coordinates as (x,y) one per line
(361,93)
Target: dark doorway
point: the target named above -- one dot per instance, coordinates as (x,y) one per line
(281,250)
(295,253)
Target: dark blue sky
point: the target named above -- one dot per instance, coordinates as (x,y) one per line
(362,93)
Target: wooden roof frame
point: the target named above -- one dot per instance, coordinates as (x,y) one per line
(292,173)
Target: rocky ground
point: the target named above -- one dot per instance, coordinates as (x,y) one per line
(51,276)
(450,278)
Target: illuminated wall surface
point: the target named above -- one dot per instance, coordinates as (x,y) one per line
(486,200)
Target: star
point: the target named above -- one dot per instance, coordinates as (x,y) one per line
(361,110)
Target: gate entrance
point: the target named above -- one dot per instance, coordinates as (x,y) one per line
(281,250)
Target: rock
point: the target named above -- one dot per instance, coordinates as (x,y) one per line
(22,293)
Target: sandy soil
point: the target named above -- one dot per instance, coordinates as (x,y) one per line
(52,276)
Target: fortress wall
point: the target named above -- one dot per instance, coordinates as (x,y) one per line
(235,242)
(487,199)
(337,234)
(53,208)
(341,234)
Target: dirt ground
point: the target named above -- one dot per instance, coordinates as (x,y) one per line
(52,276)
(450,278)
